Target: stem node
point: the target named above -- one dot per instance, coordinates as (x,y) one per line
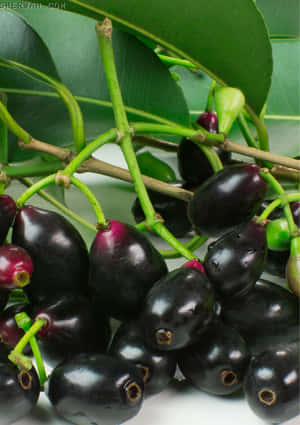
(64,179)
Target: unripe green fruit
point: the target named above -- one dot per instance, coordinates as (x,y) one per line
(278,235)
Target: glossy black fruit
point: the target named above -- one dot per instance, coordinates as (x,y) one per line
(8,211)
(157,368)
(10,333)
(96,389)
(124,265)
(276,262)
(234,262)
(265,316)
(73,326)
(209,121)
(172,210)
(227,199)
(177,309)
(16,267)
(218,362)
(58,252)
(193,165)
(19,392)
(272,384)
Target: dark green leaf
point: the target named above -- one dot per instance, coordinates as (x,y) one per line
(282,17)
(228,40)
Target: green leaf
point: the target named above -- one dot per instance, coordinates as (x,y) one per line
(146,83)
(228,40)
(282,17)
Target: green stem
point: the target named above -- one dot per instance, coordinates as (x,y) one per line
(92,200)
(293,228)
(169,60)
(59,205)
(13,125)
(104,32)
(64,93)
(191,245)
(210,97)
(212,157)
(32,170)
(151,128)
(164,233)
(31,332)
(107,137)
(245,129)
(2,188)
(291,197)
(34,189)
(24,322)
(262,132)
(76,182)
(3,134)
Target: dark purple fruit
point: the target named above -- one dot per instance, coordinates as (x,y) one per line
(16,267)
(58,252)
(272,383)
(234,262)
(276,262)
(209,121)
(19,392)
(96,389)
(157,368)
(295,208)
(124,265)
(227,199)
(8,211)
(193,165)
(73,326)
(10,333)
(172,210)
(217,363)
(177,309)
(267,315)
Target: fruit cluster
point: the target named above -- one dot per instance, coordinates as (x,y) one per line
(218,321)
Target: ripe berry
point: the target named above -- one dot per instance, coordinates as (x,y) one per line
(96,389)
(8,211)
(172,210)
(19,392)
(265,316)
(227,199)
(73,326)
(234,262)
(16,267)
(276,262)
(217,362)
(209,121)
(124,265)
(157,368)
(272,384)
(58,252)
(177,309)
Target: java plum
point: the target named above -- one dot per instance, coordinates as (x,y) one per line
(235,261)
(227,199)
(8,210)
(96,389)
(178,308)
(58,252)
(272,383)
(124,265)
(16,267)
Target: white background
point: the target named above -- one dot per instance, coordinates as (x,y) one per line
(179,404)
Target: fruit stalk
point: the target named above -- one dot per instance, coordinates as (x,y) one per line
(12,125)
(3,135)
(293,228)
(290,197)
(104,33)
(76,182)
(24,322)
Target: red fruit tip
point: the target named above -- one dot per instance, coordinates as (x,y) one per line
(195,264)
